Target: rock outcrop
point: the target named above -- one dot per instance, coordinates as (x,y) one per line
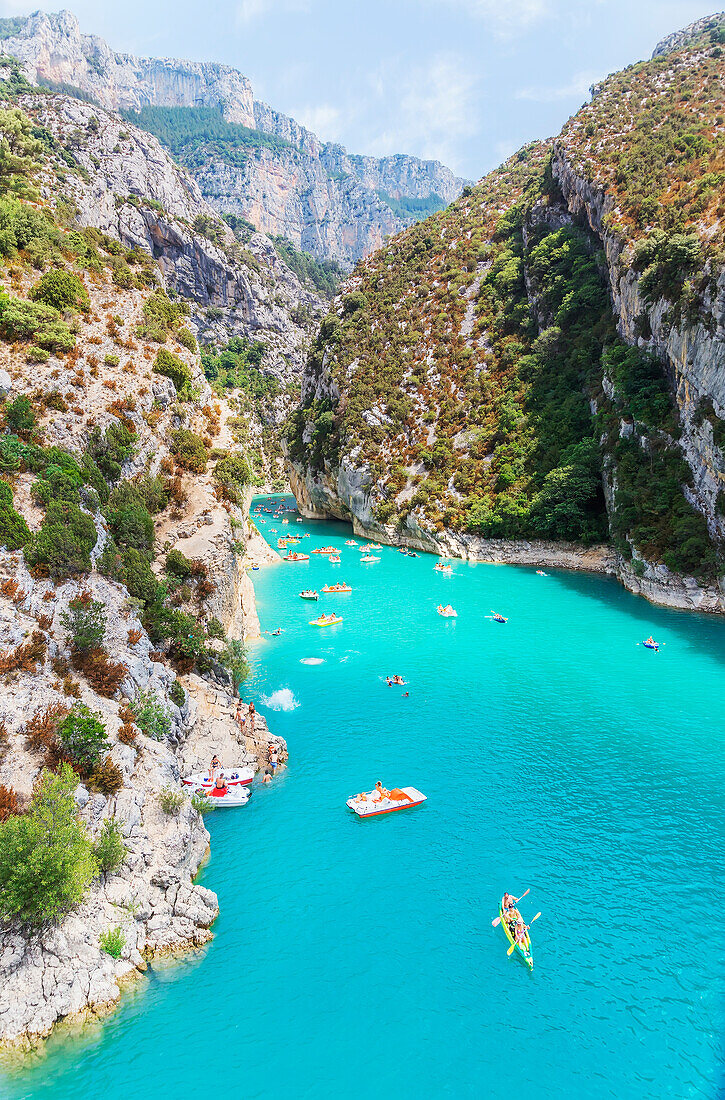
(323,199)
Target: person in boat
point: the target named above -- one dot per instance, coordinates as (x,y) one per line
(520,933)
(219,783)
(380,792)
(508,901)
(215,765)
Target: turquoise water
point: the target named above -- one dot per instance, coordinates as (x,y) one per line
(350,956)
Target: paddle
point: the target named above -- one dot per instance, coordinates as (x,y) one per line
(513,945)
(497,920)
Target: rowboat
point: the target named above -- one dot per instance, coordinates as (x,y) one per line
(523,949)
(400,798)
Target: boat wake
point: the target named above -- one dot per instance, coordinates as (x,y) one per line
(282,699)
(312,661)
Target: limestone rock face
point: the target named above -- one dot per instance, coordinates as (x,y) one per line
(314,193)
(136,193)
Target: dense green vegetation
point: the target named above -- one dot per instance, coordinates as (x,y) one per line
(196,135)
(236,366)
(515,449)
(324,275)
(46,856)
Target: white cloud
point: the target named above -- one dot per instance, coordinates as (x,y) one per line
(506,17)
(577,88)
(323,119)
(434,107)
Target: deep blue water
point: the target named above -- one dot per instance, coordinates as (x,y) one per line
(357,957)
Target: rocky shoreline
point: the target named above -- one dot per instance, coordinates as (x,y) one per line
(61,973)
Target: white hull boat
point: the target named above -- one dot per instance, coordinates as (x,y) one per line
(233,796)
(400,798)
(235,777)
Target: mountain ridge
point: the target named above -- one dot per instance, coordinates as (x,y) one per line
(51,47)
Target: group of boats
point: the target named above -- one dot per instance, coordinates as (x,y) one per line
(228,787)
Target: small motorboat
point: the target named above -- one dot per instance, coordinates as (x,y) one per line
(234,777)
(350,542)
(226,797)
(325,550)
(310,594)
(447,612)
(441,567)
(369,557)
(326,620)
(294,556)
(498,618)
(650,643)
(335,559)
(373,803)
(376,546)
(337,588)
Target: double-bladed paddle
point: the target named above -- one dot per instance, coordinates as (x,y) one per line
(513,945)
(497,920)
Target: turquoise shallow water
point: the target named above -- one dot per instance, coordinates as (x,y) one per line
(556,753)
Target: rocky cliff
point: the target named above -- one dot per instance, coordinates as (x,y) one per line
(322,199)
(546,359)
(123,501)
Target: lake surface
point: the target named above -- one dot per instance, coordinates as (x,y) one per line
(357,958)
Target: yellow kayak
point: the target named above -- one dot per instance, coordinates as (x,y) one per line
(326,620)
(523,949)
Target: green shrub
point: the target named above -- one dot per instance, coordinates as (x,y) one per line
(172,367)
(35,354)
(19,414)
(138,575)
(161,314)
(177,695)
(83,737)
(85,621)
(233,657)
(189,450)
(171,800)
(65,540)
(19,320)
(202,803)
(62,290)
(129,518)
(55,336)
(150,715)
(14,531)
(46,858)
(110,449)
(214,629)
(111,360)
(178,564)
(113,941)
(109,849)
(187,339)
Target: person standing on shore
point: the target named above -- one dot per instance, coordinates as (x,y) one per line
(241,720)
(251,715)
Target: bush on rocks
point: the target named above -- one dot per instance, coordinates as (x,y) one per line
(178,564)
(63,290)
(150,715)
(14,531)
(107,777)
(85,621)
(46,858)
(82,736)
(113,941)
(189,450)
(109,849)
(9,802)
(172,367)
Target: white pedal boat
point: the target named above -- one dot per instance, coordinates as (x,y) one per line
(400,798)
(235,777)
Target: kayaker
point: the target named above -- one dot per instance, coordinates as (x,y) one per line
(508,902)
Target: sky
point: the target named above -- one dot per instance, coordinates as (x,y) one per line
(466,82)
